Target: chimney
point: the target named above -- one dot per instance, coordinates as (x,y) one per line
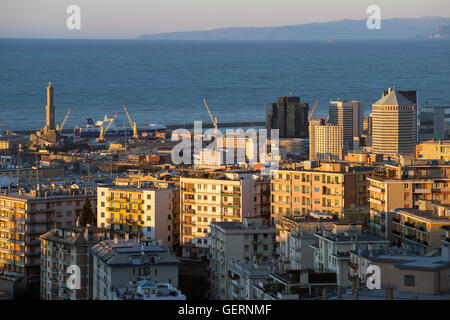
(389,292)
(324,294)
(339,292)
(445,253)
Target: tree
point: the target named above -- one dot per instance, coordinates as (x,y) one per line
(87,215)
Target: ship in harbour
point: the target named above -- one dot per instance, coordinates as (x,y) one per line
(97,129)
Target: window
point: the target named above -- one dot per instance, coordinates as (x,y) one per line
(409,280)
(149,207)
(296,188)
(266,247)
(102,204)
(149,196)
(149,218)
(296,177)
(316,178)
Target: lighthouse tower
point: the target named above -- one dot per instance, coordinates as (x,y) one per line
(50,109)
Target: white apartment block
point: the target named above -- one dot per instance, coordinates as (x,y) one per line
(248,242)
(61,248)
(118,262)
(332,252)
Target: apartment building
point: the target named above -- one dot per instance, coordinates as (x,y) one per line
(227,197)
(249,241)
(403,187)
(332,251)
(394,124)
(326,141)
(420,229)
(295,235)
(295,285)
(163,181)
(145,211)
(147,290)
(61,248)
(434,150)
(24,216)
(116,262)
(421,275)
(331,188)
(348,114)
(243,276)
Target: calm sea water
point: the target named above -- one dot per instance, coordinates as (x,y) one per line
(164,82)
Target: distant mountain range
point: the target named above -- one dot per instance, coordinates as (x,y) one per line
(344,29)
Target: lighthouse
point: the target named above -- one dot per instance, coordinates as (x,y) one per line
(50,109)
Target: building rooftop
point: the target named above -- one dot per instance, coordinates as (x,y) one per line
(147,290)
(428,215)
(75,235)
(123,252)
(393,98)
(251,270)
(411,262)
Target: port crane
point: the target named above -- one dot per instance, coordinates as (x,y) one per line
(103,132)
(312,111)
(132,124)
(213,119)
(60,128)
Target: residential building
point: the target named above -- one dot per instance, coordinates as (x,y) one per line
(331,188)
(420,229)
(394,124)
(147,290)
(402,187)
(332,252)
(64,247)
(26,215)
(243,276)
(419,275)
(117,262)
(145,211)
(228,196)
(326,141)
(295,285)
(247,241)
(288,115)
(295,235)
(348,114)
(434,150)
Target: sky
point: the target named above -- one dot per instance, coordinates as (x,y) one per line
(118,19)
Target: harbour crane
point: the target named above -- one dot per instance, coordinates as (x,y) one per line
(103,132)
(132,124)
(213,119)
(60,128)
(312,111)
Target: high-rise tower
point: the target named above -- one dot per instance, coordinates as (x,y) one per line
(50,109)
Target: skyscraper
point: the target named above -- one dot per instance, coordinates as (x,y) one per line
(325,140)
(348,114)
(289,116)
(394,124)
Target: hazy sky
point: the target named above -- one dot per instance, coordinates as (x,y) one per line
(130,18)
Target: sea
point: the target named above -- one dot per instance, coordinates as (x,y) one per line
(165,82)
